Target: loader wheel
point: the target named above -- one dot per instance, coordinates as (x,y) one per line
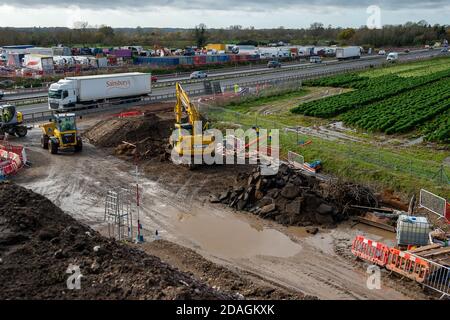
(44,141)
(53,147)
(21,131)
(79,145)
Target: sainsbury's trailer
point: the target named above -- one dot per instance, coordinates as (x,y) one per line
(75,92)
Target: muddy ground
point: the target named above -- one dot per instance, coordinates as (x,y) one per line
(175,201)
(39,243)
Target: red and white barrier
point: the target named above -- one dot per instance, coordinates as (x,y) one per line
(369,250)
(12,158)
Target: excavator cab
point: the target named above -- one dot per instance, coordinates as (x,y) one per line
(11,121)
(61,133)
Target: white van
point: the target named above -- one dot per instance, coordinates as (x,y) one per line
(393,56)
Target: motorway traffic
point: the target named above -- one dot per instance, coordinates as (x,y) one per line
(244,75)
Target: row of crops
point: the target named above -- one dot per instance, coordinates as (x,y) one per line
(388,103)
(439,128)
(372,90)
(403,112)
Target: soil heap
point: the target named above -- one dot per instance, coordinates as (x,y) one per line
(292,198)
(148,134)
(38,243)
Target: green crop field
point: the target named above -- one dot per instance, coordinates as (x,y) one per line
(398,99)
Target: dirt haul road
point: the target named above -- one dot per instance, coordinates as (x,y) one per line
(319,265)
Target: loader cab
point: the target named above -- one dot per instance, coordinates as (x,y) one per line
(62,95)
(65,122)
(8,115)
(61,133)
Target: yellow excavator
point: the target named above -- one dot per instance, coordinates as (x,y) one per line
(61,133)
(11,121)
(189,142)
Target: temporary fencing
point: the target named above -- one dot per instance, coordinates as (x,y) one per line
(431,274)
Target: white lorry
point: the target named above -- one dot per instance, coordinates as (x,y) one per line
(344,53)
(75,92)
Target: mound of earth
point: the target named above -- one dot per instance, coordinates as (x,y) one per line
(41,248)
(148,134)
(292,198)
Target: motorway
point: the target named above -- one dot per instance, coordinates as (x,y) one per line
(245,75)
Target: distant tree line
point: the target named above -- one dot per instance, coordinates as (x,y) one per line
(408,34)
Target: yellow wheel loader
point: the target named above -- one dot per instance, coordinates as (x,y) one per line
(61,133)
(11,121)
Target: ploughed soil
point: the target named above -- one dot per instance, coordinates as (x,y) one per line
(39,242)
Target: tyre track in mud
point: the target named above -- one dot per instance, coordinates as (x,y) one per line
(78,184)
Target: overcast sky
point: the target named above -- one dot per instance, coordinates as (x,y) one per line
(217,13)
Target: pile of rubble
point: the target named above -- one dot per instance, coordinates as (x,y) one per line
(292,198)
(41,248)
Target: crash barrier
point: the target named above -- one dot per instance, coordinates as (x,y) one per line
(369,250)
(428,273)
(435,204)
(12,158)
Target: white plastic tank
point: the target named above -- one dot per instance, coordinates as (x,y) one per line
(412,230)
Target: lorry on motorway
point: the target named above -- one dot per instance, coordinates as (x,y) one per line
(344,53)
(78,92)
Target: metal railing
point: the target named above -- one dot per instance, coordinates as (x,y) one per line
(438,277)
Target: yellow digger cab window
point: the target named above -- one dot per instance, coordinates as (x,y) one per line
(7,114)
(66,124)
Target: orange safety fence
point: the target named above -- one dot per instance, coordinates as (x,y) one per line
(369,250)
(407,265)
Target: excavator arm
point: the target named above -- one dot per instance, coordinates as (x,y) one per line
(184,103)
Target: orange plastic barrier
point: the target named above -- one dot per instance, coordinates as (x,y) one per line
(407,265)
(369,250)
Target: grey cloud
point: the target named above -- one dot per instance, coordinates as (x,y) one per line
(231,5)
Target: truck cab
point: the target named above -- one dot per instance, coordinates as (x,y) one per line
(62,95)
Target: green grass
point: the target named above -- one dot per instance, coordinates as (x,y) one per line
(402,169)
(412,69)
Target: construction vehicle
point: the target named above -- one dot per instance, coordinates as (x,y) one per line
(11,121)
(189,142)
(61,133)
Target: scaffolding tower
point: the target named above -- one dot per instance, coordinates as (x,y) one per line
(118,213)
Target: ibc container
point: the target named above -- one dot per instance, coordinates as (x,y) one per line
(412,230)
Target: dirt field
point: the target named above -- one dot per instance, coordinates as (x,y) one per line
(39,243)
(273,261)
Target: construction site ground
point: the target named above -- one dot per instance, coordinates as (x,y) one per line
(233,250)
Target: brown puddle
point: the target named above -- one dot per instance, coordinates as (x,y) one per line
(225,235)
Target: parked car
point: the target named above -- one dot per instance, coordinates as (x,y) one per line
(382,52)
(406,50)
(274,64)
(198,75)
(154,79)
(1,94)
(315,59)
